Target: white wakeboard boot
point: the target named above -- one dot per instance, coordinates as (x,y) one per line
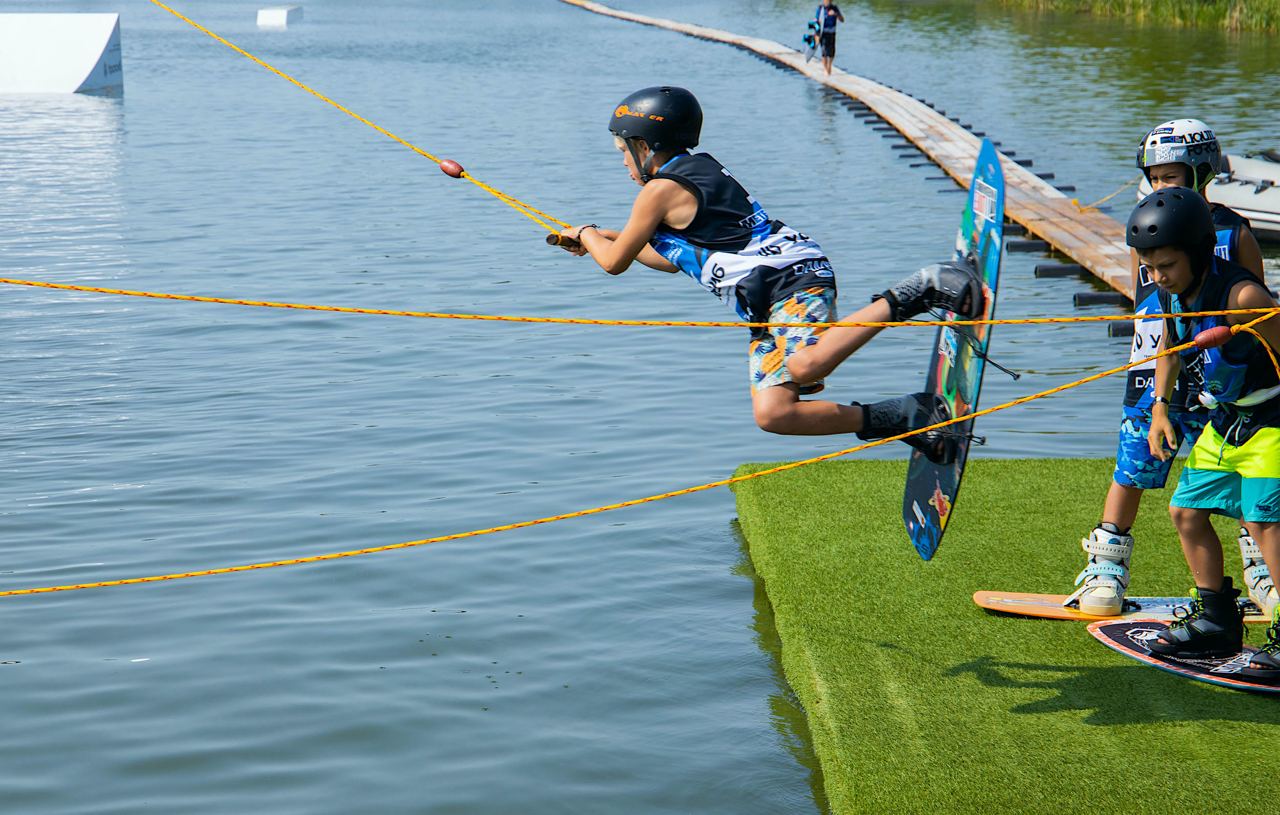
(1257,577)
(1105,578)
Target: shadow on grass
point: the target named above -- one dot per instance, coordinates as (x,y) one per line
(1124,694)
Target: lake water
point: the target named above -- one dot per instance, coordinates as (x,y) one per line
(623,663)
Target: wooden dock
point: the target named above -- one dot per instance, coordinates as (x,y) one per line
(1089,237)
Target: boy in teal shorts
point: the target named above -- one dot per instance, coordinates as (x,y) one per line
(1234,467)
(692,216)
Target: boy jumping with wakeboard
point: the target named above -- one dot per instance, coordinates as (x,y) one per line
(1180,153)
(1234,467)
(692,216)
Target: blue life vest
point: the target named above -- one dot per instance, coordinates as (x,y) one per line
(1229,224)
(1236,377)
(1147,333)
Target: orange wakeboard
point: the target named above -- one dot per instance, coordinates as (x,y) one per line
(1049,606)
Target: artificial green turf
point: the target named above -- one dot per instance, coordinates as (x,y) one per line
(919,701)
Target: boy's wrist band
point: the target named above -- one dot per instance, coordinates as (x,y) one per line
(1160,400)
(585,228)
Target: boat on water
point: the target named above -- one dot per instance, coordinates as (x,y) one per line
(1251,186)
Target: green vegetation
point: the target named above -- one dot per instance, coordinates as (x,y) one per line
(919,701)
(1232,15)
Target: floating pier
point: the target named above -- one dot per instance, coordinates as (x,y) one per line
(279,16)
(60,53)
(1092,239)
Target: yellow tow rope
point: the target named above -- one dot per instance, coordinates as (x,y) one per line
(450,167)
(504,318)
(609,507)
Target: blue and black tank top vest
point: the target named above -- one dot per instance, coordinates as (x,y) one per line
(732,248)
(1236,380)
(1146,336)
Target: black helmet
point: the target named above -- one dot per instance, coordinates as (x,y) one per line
(666,118)
(1174,216)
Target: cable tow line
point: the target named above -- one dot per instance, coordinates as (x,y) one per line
(453,169)
(502,318)
(634,502)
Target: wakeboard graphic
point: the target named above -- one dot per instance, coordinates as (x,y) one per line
(957,358)
(1130,637)
(1049,606)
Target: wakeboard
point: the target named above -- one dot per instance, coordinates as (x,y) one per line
(812,38)
(1130,637)
(1049,606)
(957,358)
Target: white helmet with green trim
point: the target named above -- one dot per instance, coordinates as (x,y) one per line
(1182,141)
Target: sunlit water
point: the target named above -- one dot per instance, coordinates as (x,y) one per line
(616,664)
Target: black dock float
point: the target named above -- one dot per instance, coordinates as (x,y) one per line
(1027,246)
(1100,298)
(1120,329)
(1060,270)
(1014,230)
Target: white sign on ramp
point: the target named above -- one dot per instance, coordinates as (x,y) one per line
(279,16)
(60,53)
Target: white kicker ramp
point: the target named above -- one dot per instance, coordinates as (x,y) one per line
(279,16)
(60,53)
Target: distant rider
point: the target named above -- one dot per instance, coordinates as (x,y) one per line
(829,14)
(1181,153)
(692,216)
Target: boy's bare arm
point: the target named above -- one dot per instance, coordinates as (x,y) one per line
(1248,295)
(1161,439)
(647,255)
(1251,254)
(655,201)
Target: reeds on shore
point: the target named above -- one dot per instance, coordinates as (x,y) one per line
(1231,15)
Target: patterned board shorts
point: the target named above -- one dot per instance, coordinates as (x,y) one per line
(768,354)
(1135,466)
(1239,482)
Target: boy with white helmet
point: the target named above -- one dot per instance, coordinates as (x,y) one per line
(693,216)
(1180,153)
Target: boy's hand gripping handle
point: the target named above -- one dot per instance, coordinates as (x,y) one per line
(556,239)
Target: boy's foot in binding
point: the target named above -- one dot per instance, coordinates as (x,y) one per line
(1257,578)
(1212,627)
(1265,663)
(1106,576)
(950,286)
(912,412)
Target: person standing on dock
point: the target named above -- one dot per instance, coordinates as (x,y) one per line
(1234,467)
(829,14)
(693,216)
(1182,153)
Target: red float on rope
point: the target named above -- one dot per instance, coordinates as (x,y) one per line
(1213,337)
(451,168)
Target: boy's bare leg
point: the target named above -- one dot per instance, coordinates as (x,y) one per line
(837,344)
(1200,545)
(1121,507)
(778,409)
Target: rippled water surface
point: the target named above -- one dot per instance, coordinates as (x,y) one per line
(622,663)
